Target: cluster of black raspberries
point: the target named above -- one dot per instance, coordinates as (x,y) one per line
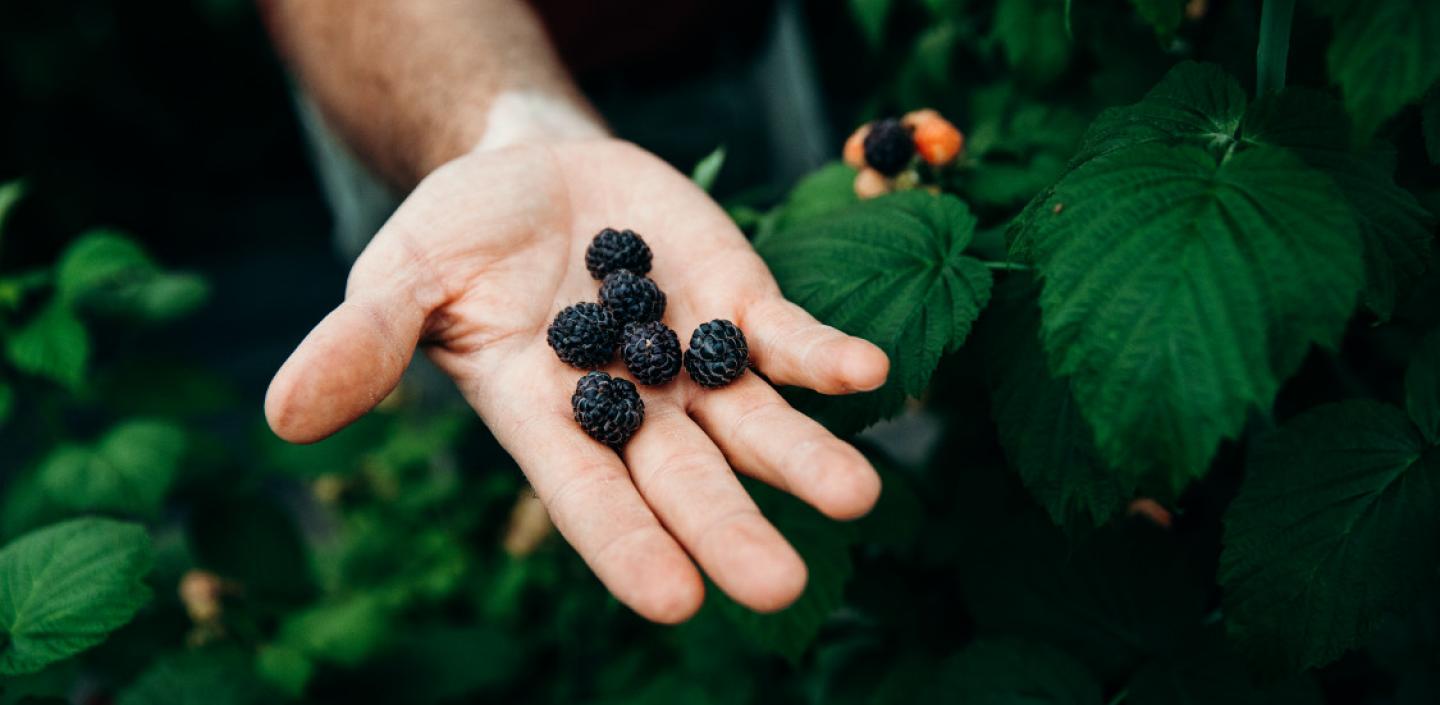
(627,317)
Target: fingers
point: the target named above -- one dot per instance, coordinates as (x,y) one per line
(793,348)
(595,506)
(343,368)
(684,477)
(768,440)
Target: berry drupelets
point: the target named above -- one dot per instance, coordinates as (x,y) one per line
(888,147)
(584,335)
(718,354)
(608,408)
(632,298)
(617,249)
(651,352)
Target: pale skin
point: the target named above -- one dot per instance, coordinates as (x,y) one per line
(490,245)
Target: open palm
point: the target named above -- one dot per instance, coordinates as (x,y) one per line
(476,263)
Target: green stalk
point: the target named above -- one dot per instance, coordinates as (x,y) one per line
(1274,47)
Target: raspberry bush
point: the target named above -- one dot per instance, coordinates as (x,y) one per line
(1158,285)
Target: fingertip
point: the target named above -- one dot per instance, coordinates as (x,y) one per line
(760,569)
(848,488)
(280,412)
(865,366)
(655,578)
(677,602)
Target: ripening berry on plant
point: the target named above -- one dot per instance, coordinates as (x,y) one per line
(854,153)
(888,147)
(870,183)
(936,139)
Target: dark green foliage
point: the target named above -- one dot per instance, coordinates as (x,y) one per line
(1219,303)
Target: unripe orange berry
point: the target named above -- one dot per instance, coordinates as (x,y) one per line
(936,139)
(870,183)
(855,147)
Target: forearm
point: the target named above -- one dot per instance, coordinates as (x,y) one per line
(414,83)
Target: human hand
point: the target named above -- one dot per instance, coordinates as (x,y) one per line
(476,263)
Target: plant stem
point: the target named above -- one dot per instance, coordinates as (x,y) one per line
(1008,266)
(1120,697)
(1274,48)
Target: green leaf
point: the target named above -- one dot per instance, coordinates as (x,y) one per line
(1422,388)
(1015,672)
(1044,436)
(871,16)
(1178,292)
(1398,233)
(825,190)
(207,677)
(1208,672)
(1196,104)
(1334,526)
(1163,15)
(890,270)
(52,345)
(285,668)
(129,470)
(1113,598)
(1383,56)
(825,547)
(344,631)
(107,272)
(1031,35)
(64,588)
(707,169)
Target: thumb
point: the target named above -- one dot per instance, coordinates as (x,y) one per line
(350,362)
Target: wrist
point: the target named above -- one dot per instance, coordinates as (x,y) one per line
(527,116)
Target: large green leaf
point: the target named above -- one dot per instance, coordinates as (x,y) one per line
(1334,526)
(1208,672)
(129,470)
(64,588)
(107,272)
(1179,290)
(825,547)
(891,270)
(1196,104)
(1383,56)
(1112,599)
(824,191)
(1422,388)
(1015,672)
(1045,439)
(1398,233)
(1031,35)
(53,345)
